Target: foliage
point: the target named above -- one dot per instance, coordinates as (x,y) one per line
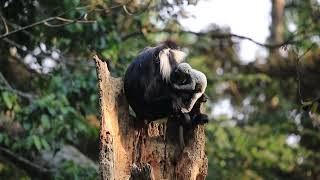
(70,170)
(251,143)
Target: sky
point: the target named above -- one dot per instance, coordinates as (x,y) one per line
(249,18)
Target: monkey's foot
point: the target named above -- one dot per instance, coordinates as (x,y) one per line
(144,173)
(203,98)
(200,119)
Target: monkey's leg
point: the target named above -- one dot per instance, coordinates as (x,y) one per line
(185,124)
(203,98)
(186,120)
(196,116)
(193,100)
(144,173)
(200,119)
(185,87)
(181,138)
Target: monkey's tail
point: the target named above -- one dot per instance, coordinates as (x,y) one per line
(181,138)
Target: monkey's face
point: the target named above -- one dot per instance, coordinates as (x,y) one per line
(180,76)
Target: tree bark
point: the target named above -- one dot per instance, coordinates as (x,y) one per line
(126,149)
(276,29)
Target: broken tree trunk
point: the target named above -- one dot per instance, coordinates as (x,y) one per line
(126,149)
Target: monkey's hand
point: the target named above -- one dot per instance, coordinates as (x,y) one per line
(203,98)
(176,105)
(198,88)
(185,110)
(185,87)
(200,119)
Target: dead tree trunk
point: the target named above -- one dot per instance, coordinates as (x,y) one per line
(127,149)
(276,30)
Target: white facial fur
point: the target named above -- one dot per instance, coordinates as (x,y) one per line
(165,66)
(179,56)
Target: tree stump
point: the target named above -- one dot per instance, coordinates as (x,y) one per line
(153,149)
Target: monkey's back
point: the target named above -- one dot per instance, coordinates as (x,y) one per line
(138,76)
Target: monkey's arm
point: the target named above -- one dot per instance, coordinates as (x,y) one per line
(201,83)
(186,87)
(193,100)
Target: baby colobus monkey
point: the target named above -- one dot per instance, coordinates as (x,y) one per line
(184,78)
(189,86)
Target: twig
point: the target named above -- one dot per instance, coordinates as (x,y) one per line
(307,50)
(130,35)
(216,35)
(4,24)
(26,27)
(136,13)
(298,58)
(19,46)
(25,49)
(19,93)
(4,80)
(126,10)
(22,162)
(59,18)
(72,20)
(44,21)
(230,35)
(67,22)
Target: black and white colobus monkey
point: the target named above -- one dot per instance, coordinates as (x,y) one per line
(184,78)
(149,91)
(190,85)
(147,81)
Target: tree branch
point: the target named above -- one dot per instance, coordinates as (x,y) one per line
(32,168)
(26,27)
(298,58)
(4,24)
(146,7)
(19,93)
(68,21)
(46,22)
(290,40)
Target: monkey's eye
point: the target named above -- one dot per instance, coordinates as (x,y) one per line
(184,81)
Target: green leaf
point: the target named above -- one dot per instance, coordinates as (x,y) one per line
(45,143)
(314,107)
(1,137)
(45,121)
(7,99)
(37,142)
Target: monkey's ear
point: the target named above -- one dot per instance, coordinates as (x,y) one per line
(178,55)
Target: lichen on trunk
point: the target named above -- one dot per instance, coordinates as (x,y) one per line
(126,147)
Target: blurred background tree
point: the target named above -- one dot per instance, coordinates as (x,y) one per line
(48,86)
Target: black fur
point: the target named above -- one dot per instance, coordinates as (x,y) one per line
(146,91)
(182,97)
(150,96)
